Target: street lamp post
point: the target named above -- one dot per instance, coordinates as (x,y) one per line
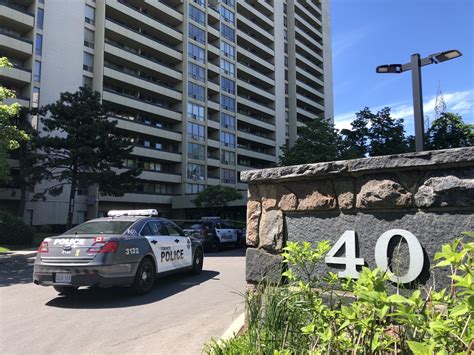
(415,65)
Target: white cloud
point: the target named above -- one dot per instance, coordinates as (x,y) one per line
(461,102)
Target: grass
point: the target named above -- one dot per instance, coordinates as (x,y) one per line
(4,250)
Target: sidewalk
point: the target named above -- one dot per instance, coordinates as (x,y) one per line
(17,254)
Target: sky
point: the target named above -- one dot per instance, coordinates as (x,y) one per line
(368,33)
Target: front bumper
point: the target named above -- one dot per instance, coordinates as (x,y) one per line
(83,275)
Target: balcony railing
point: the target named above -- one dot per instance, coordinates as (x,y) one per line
(15,6)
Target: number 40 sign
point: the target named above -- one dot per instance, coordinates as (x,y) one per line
(351,261)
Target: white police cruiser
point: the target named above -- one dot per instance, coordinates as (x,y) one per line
(127,248)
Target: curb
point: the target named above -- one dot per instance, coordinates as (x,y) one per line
(234,329)
(14,256)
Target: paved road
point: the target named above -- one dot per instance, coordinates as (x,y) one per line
(177,317)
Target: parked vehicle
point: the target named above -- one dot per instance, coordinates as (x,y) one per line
(127,248)
(215,233)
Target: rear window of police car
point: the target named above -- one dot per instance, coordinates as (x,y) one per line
(101,227)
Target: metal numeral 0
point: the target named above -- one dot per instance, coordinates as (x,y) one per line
(414,248)
(351,261)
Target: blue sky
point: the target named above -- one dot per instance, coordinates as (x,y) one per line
(368,33)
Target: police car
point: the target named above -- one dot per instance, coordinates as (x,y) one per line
(127,248)
(215,233)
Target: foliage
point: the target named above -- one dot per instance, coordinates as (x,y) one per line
(305,315)
(10,135)
(317,142)
(13,231)
(353,142)
(80,147)
(449,131)
(216,197)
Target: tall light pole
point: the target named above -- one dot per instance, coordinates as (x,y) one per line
(415,65)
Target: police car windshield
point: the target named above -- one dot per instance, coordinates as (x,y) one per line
(101,227)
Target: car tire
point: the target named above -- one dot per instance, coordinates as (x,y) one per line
(198,261)
(66,290)
(215,245)
(144,278)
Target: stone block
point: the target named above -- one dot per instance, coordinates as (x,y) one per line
(271,230)
(268,195)
(345,193)
(287,199)
(445,191)
(386,193)
(262,266)
(254,211)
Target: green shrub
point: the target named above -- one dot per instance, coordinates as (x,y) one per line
(13,231)
(306,314)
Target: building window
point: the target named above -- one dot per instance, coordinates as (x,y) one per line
(196,52)
(90,15)
(195,111)
(227,103)
(230,3)
(227,67)
(197,15)
(39,44)
(196,132)
(228,139)
(227,15)
(89,38)
(87,81)
(227,50)
(196,91)
(194,188)
(40,18)
(195,151)
(227,157)
(196,172)
(37,73)
(88,62)
(36,97)
(228,176)
(228,85)
(197,34)
(227,121)
(227,32)
(200,2)
(196,72)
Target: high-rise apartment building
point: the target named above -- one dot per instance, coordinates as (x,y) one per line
(206,89)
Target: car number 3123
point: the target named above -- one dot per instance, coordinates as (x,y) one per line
(130,251)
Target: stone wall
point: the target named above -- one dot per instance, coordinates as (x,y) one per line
(430,194)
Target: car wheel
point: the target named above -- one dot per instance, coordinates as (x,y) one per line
(198,261)
(144,278)
(215,245)
(66,290)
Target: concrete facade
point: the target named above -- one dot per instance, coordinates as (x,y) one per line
(207,89)
(428,194)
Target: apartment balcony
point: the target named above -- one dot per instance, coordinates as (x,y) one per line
(213,14)
(311,67)
(147,129)
(253,136)
(142,61)
(25,102)
(263,35)
(213,105)
(134,102)
(259,122)
(213,32)
(213,86)
(308,50)
(306,114)
(302,36)
(302,15)
(16,76)
(139,82)
(157,154)
(309,101)
(213,143)
(214,68)
(213,124)
(261,9)
(213,162)
(163,29)
(242,68)
(261,49)
(255,89)
(16,16)
(255,105)
(257,155)
(254,58)
(15,47)
(310,89)
(138,198)
(310,6)
(133,35)
(160,177)
(166,11)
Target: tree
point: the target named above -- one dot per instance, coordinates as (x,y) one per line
(353,142)
(449,131)
(10,135)
(80,147)
(317,142)
(216,197)
(386,135)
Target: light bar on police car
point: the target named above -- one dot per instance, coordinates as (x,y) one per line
(118,213)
